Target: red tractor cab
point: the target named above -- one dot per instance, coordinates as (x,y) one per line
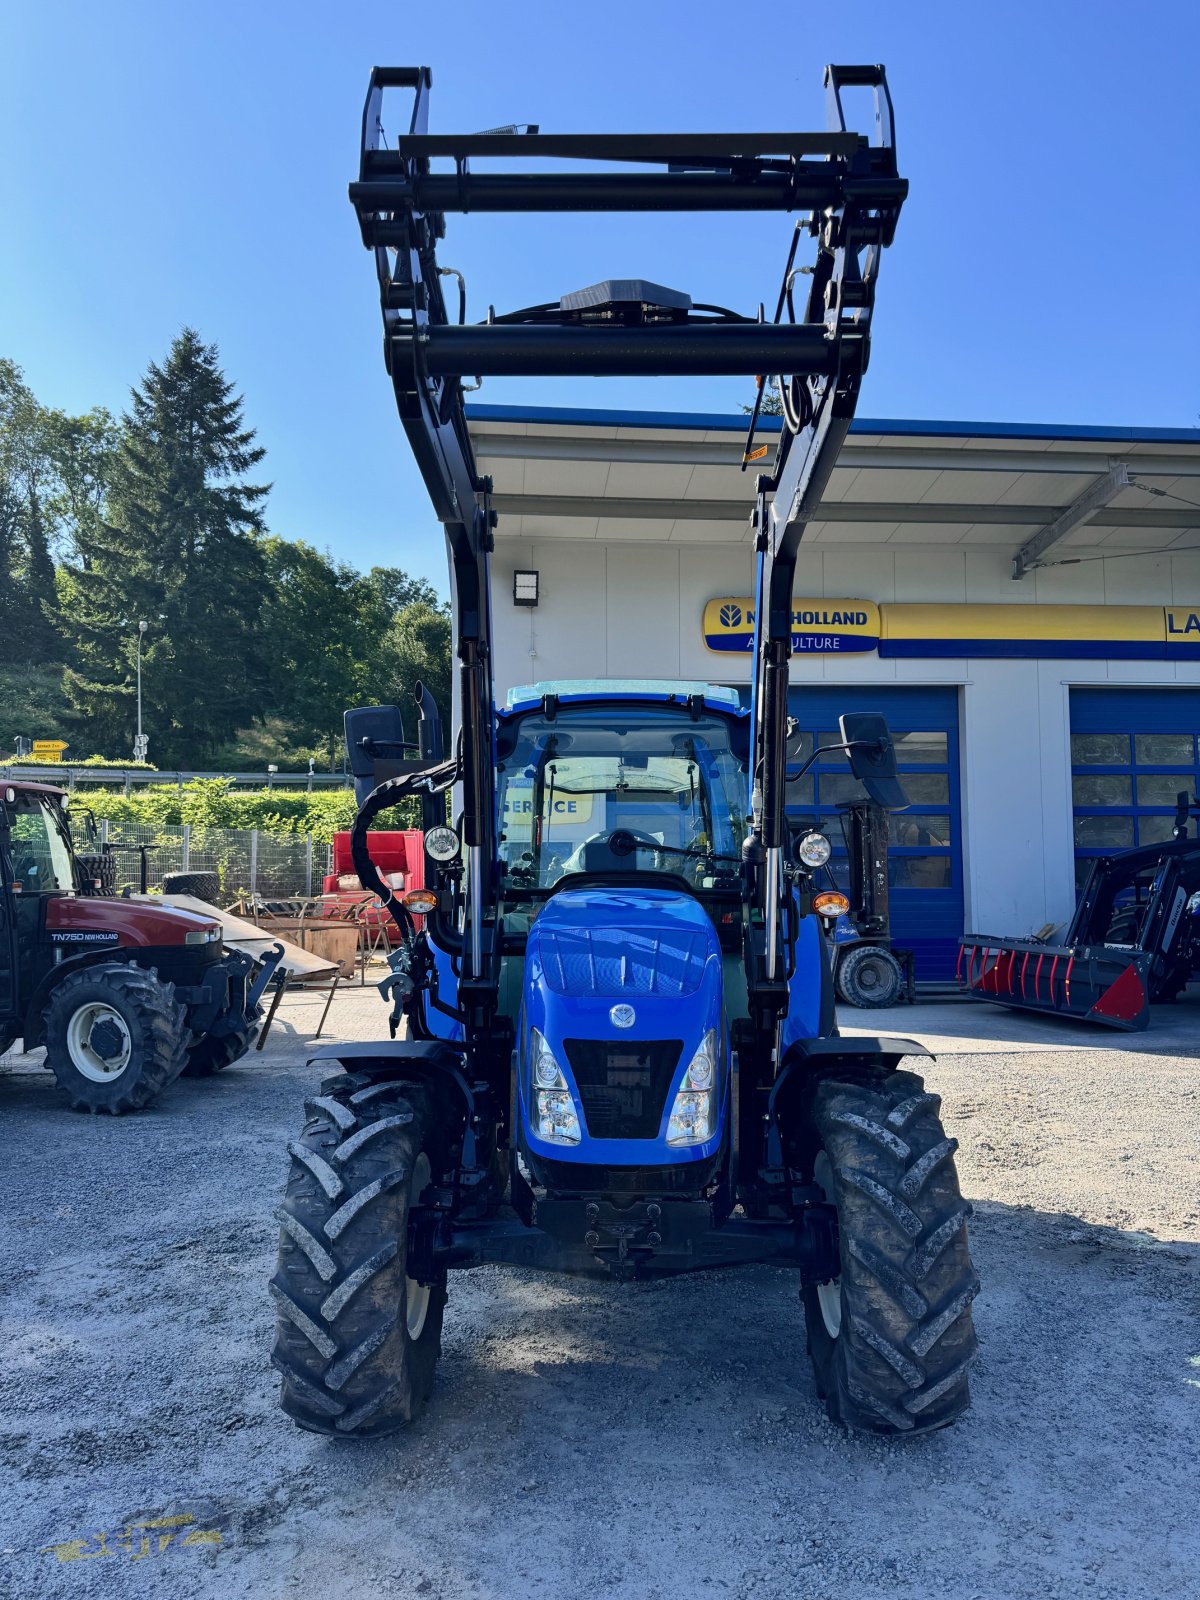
(125,991)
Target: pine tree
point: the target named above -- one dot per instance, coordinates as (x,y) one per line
(27,525)
(178,548)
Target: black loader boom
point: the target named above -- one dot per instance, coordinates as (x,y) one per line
(847,193)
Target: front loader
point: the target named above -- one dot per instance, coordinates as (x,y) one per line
(614,1047)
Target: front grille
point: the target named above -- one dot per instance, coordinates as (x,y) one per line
(623,1083)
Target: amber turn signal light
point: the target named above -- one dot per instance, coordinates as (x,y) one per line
(420,901)
(831,903)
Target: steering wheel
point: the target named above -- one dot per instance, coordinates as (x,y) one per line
(26,867)
(625,841)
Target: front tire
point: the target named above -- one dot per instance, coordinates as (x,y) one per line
(892,1338)
(209,1055)
(870,977)
(115,1037)
(358,1340)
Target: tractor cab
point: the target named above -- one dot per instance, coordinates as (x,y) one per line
(620,818)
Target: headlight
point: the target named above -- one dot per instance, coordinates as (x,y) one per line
(201,935)
(441,844)
(555,1115)
(691,1120)
(814,850)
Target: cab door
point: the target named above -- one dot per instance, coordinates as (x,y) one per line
(8,943)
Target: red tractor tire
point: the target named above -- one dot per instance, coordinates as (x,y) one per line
(116,1036)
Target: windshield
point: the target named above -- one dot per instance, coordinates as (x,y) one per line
(617,788)
(41,854)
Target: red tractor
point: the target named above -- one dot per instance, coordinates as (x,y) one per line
(126,992)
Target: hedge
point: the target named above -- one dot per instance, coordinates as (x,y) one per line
(215,803)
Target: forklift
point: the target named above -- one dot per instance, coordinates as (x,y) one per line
(614,1047)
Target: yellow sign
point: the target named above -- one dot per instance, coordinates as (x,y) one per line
(843,627)
(1183,628)
(50,747)
(1018,631)
(569,809)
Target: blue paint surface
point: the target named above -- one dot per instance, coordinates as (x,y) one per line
(653,949)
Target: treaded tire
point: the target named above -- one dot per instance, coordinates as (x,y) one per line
(203,885)
(350,1365)
(100,869)
(898,1362)
(157,1025)
(210,1055)
(869,977)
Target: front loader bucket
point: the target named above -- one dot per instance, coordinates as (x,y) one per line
(1091,982)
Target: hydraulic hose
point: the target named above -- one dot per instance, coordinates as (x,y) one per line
(382,798)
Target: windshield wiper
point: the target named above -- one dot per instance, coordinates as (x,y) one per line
(703,855)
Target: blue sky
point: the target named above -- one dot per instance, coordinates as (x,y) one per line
(163,164)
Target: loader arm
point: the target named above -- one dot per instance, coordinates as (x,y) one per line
(848,195)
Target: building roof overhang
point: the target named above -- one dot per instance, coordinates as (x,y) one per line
(1040,492)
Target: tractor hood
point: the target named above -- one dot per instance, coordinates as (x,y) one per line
(88,920)
(623,985)
(623,943)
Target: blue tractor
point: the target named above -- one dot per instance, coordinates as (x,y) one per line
(614,1046)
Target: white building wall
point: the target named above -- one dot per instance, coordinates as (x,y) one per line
(633,609)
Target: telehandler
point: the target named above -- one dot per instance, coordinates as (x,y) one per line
(619,1049)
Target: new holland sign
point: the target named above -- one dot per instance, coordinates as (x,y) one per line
(848,627)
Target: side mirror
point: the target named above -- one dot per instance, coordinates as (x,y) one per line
(872,757)
(373,733)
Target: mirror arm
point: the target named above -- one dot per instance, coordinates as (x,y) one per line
(828,749)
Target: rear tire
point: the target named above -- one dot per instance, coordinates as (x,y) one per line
(115,1037)
(203,885)
(870,977)
(892,1338)
(358,1340)
(99,873)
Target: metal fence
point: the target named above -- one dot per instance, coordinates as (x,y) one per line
(126,778)
(247,861)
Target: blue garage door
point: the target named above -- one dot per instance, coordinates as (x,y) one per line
(1132,751)
(926,841)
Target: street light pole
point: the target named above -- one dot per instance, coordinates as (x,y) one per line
(139,747)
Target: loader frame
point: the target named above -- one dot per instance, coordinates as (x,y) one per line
(848,194)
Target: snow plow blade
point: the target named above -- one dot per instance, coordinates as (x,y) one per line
(1093,983)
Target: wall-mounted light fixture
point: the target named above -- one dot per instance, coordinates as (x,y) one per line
(525,588)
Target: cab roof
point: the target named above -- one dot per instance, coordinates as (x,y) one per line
(581,691)
(24,786)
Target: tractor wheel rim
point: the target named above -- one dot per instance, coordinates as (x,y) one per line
(829,1295)
(85,1057)
(417,1295)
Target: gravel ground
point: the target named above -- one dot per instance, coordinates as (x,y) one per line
(586,1439)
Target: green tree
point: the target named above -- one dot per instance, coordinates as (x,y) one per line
(416,648)
(395,589)
(316,637)
(27,524)
(178,547)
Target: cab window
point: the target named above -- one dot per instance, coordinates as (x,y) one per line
(39,852)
